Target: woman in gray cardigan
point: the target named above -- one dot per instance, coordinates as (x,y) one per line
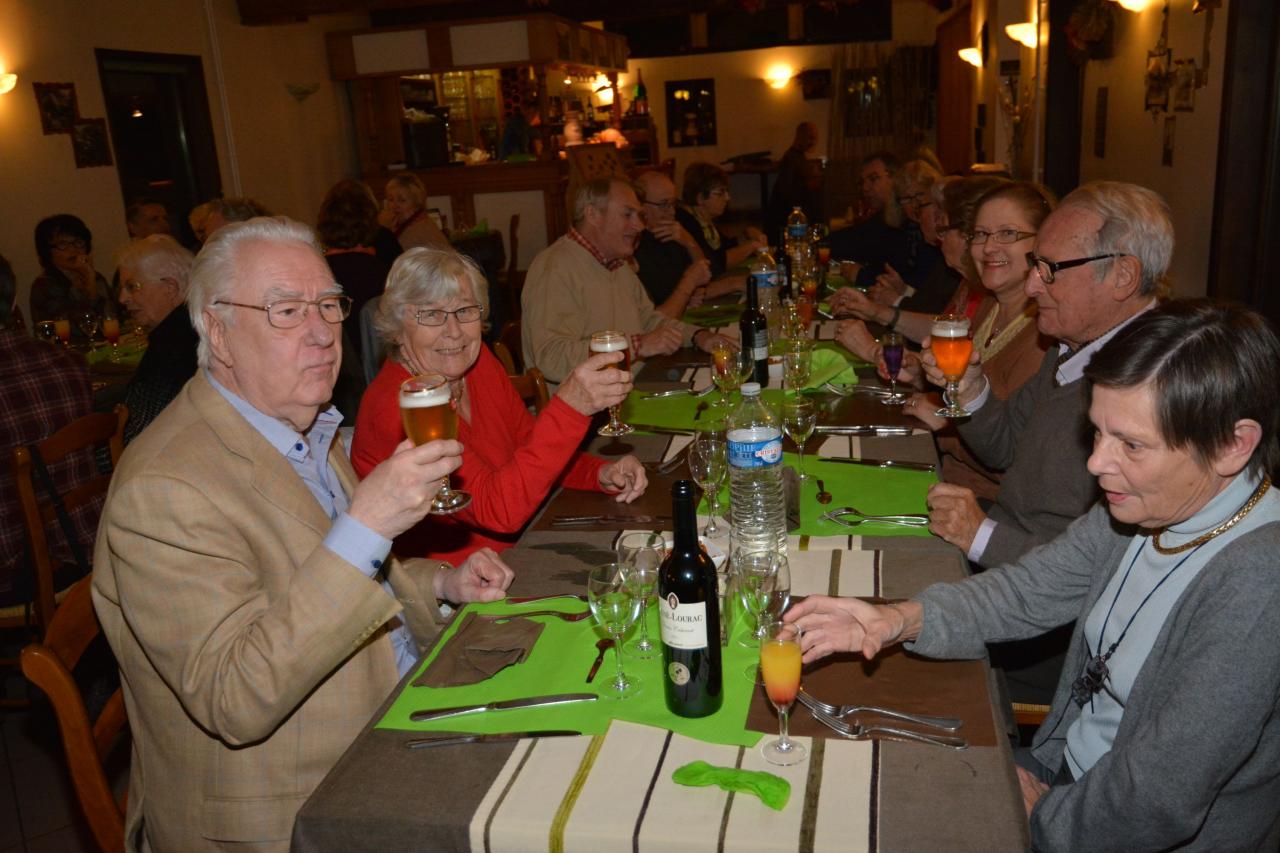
(1163,732)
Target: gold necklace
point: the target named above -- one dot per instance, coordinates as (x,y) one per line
(1221,528)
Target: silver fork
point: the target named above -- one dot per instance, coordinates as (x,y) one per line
(839,712)
(675,392)
(846,390)
(862,518)
(857,731)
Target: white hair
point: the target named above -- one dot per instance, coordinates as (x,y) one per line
(159,256)
(216,269)
(1135,221)
(421,276)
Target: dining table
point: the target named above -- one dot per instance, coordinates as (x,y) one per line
(611,786)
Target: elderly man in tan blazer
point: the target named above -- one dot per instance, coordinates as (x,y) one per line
(244,577)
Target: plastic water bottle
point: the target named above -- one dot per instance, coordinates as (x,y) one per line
(765,271)
(757,506)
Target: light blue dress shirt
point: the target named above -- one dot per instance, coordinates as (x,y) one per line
(349,539)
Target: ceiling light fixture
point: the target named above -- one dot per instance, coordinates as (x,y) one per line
(1134,5)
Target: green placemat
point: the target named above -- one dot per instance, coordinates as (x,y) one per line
(558,664)
(130,353)
(713,316)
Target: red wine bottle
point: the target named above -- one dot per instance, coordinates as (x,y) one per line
(753,326)
(690,616)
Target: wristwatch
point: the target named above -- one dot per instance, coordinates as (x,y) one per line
(893,321)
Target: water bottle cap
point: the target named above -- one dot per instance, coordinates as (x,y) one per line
(750,389)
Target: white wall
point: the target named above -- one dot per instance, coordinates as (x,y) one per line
(1135,139)
(285,154)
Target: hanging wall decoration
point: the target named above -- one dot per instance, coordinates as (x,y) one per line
(89,142)
(58,107)
(1184,85)
(1159,74)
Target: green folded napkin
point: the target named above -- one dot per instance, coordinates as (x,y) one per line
(832,364)
(773,791)
(129,354)
(712,316)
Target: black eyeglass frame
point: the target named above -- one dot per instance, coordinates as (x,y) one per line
(1017,236)
(1040,264)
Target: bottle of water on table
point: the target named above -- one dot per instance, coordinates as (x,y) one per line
(757,507)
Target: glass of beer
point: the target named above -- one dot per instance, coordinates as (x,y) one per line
(609,341)
(949,339)
(429,412)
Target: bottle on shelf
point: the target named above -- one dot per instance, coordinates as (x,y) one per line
(753,325)
(757,505)
(689,611)
(642,95)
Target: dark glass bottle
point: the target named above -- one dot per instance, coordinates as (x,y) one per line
(753,326)
(690,616)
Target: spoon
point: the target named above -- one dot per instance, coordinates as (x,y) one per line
(604,646)
(703,405)
(824,497)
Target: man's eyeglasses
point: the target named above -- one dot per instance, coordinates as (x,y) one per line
(290,313)
(69,244)
(135,286)
(1004,235)
(1048,270)
(437,317)
(663,205)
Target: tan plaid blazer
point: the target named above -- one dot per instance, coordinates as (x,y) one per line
(251,655)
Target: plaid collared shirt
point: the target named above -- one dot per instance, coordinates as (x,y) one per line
(42,389)
(576,236)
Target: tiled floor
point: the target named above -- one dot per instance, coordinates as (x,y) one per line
(38,810)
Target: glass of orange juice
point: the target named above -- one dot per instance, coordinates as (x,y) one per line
(111,331)
(949,339)
(63,327)
(780,669)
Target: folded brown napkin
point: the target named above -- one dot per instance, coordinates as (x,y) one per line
(480,649)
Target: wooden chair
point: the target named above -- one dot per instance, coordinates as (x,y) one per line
(512,279)
(510,338)
(38,512)
(87,744)
(532,388)
(504,356)
(1029,715)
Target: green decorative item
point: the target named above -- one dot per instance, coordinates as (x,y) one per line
(773,791)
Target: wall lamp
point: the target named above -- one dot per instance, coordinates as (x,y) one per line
(7,82)
(1134,5)
(1024,33)
(971,55)
(778,76)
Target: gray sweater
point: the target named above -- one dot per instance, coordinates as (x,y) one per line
(1196,760)
(1041,438)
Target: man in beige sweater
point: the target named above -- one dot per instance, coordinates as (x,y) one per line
(582,284)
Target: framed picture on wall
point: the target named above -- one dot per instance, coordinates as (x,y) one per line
(1184,85)
(691,112)
(1157,80)
(89,142)
(58,107)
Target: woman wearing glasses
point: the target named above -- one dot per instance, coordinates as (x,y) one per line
(706,196)
(68,286)
(429,318)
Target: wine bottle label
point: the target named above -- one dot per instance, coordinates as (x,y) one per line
(760,447)
(684,626)
(760,345)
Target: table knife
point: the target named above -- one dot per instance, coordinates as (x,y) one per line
(661,430)
(881,463)
(862,429)
(505,705)
(571,520)
(526,599)
(455,740)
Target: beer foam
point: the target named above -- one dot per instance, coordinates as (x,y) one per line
(423,399)
(950,329)
(611,344)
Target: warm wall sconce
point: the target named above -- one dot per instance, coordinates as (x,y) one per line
(1024,33)
(778,76)
(971,55)
(7,82)
(1134,5)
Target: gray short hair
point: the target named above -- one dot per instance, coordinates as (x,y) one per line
(159,256)
(1135,221)
(214,274)
(595,193)
(418,277)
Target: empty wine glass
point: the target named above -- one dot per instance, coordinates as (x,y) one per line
(708,463)
(797,361)
(780,663)
(47,330)
(616,607)
(87,322)
(799,417)
(642,552)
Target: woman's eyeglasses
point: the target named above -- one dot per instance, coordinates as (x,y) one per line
(1004,235)
(438,317)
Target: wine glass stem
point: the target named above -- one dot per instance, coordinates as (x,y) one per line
(800,449)
(620,680)
(953,390)
(444,486)
(613,418)
(784,741)
(644,626)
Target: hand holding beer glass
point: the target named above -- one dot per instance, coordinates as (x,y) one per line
(429,412)
(949,339)
(609,341)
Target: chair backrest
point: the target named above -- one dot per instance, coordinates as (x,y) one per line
(532,388)
(514,278)
(49,665)
(37,507)
(509,337)
(370,342)
(504,357)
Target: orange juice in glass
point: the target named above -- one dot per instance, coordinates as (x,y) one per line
(804,310)
(780,669)
(63,327)
(949,339)
(111,331)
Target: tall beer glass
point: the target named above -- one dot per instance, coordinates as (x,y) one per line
(609,341)
(429,413)
(951,344)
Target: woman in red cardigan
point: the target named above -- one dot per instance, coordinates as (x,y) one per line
(430,318)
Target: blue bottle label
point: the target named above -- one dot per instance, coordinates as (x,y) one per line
(755,448)
(798,231)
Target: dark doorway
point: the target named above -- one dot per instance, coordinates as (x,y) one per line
(161,130)
(955,94)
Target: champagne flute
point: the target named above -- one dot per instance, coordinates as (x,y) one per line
(111,331)
(799,417)
(615,607)
(726,371)
(429,412)
(708,463)
(47,330)
(892,348)
(952,346)
(642,554)
(797,362)
(780,663)
(609,341)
